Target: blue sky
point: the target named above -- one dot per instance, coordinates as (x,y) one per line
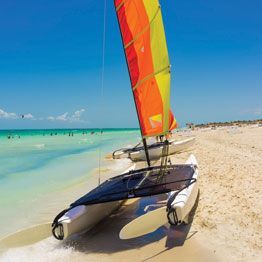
(51,55)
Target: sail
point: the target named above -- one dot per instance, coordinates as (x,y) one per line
(147,58)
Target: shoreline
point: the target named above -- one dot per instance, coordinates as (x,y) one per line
(67,194)
(226,224)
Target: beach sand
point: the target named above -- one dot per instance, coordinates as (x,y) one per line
(229,213)
(227,221)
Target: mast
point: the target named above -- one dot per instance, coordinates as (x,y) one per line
(146,152)
(143,139)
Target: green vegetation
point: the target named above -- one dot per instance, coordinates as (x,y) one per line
(231,123)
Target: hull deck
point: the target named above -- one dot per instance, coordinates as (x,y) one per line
(140,183)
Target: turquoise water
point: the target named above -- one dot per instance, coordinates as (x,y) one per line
(37,165)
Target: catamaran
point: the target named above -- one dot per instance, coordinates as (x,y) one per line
(149,70)
(155,149)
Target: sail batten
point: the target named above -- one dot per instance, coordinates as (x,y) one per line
(143,31)
(150,76)
(148,63)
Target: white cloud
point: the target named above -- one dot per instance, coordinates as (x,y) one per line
(255,111)
(66,117)
(77,115)
(63,117)
(15,116)
(7,115)
(258,111)
(28,116)
(50,118)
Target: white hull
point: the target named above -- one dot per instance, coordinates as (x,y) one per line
(120,154)
(175,212)
(82,218)
(185,200)
(156,152)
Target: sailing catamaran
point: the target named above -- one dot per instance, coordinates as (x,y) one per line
(144,43)
(155,150)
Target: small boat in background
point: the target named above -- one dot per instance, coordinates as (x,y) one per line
(155,150)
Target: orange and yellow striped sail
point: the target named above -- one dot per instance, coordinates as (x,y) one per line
(146,52)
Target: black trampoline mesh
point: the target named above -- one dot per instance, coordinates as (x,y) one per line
(139,183)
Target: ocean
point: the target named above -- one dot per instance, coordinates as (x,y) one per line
(43,171)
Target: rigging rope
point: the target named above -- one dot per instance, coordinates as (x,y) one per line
(164,159)
(102,90)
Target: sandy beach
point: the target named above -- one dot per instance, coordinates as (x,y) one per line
(226,225)
(228,217)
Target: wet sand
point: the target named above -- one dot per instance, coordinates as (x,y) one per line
(227,220)
(103,244)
